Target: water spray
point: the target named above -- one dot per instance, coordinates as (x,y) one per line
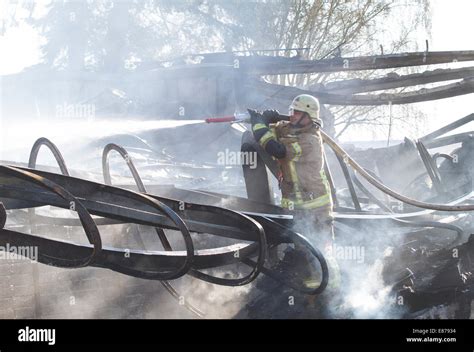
(245,117)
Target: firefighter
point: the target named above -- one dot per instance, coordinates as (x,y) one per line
(297,146)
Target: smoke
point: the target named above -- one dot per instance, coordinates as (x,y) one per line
(100,293)
(357,257)
(366,295)
(70,135)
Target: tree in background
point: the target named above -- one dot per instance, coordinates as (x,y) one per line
(325,28)
(117,35)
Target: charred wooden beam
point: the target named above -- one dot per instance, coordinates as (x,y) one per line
(282,65)
(393,80)
(274,91)
(449,140)
(448,128)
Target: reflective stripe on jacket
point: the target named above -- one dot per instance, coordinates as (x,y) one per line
(304,184)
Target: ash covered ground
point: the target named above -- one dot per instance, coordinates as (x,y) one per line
(165,156)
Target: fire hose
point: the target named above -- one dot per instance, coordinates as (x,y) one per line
(242,118)
(433,206)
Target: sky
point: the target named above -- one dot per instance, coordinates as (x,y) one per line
(451,30)
(20,45)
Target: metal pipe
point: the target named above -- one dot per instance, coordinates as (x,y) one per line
(440,207)
(160,232)
(431,168)
(52,147)
(90,228)
(350,185)
(3,216)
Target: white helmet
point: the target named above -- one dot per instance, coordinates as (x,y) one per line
(307,103)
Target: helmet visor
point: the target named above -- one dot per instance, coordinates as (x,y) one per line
(292,110)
